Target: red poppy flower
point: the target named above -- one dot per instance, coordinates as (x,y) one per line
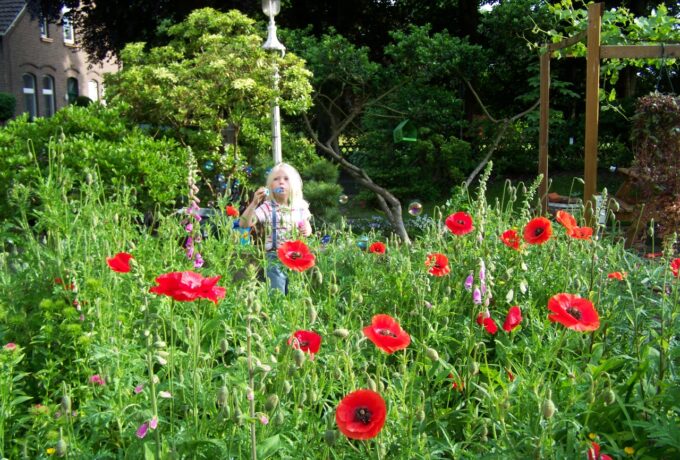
(296,256)
(361,414)
(456,385)
(594,453)
(377,248)
(513,319)
(511,239)
(566,219)
(580,233)
(188,286)
(573,312)
(67,286)
(460,223)
(538,231)
(484,319)
(438,263)
(120,262)
(231,211)
(617,276)
(675,266)
(386,334)
(307,341)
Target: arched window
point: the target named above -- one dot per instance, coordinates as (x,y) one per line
(30,102)
(93,90)
(48,95)
(72,90)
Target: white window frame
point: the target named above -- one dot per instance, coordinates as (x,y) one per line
(48,96)
(44,27)
(93,90)
(67,26)
(29,96)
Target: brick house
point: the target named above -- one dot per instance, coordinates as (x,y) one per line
(42,65)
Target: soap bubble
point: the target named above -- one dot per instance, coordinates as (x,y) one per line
(209,165)
(415,208)
(220,178)
(343,199)
(363,243)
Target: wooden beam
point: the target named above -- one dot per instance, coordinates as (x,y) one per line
(639,51)
(568,41)
(543,130)
(592,107)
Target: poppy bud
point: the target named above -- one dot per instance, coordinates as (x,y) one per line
(160,344)
(224,346)
(60,448)
(298,357)
(66,404)
(238,416)
(447,291)
(163,353)
(432,354)
(313,396)
(287,386)
(548,408)
(330,436)
(271,403)
(360,298)
(311,312)
(528,360)
(222,394)
(334,288)
(609,397)
(473,368)
(371,384)
(337,373)
(302,398)
(318,276)
(187,332)
(420,415)
(279,418)
(341,333)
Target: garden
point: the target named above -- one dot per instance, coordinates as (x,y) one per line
(135,316)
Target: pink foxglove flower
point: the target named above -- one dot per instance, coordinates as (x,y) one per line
(142,430)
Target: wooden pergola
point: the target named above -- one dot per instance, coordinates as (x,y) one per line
(595,53)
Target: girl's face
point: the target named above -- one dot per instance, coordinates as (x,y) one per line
(280,184)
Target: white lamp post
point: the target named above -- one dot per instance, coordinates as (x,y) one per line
(271,8)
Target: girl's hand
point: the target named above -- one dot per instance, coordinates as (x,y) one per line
(304,228)
(260,195)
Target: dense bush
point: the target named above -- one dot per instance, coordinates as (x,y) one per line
(7,106)
(89,140)
(321,189)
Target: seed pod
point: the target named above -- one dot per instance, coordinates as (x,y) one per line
(432,354)
(66,404)
(311,312)
(548,408)
(222,394)
(609,397)
(298,357)
(330,437)
(61,448)
(271,403)
(341,333)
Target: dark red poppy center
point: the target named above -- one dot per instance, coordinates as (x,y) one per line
(386,332)
(303,343)
(363,415)
(295,255)
(538,231)
(460,222)
(575,312)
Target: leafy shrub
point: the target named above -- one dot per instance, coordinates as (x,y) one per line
(7,106)
(92,139)
(321,189)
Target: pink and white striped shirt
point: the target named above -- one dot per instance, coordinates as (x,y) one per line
(287,220)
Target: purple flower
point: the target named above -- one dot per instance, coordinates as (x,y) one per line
(264,420)
(139,388)
(97,380)
(153,424)
(165,394)
(142,430)
(482,271)
(482,289)
(189,227)
(468,281)
(477,296)
(10,346)
(198,261)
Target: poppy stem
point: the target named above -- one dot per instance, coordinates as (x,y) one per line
(251,386)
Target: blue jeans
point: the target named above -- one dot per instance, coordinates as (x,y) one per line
(278,280)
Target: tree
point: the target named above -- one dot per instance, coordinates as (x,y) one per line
(213,72)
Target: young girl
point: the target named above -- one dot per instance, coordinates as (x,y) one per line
(284,213)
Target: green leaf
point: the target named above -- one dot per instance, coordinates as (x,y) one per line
(268,447)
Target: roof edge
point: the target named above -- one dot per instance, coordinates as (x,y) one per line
(16,18)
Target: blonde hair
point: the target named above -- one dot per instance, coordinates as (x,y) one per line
(295,198)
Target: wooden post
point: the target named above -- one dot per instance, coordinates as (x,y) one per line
(543,129)
(592,107)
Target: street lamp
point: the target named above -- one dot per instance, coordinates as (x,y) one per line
(271,8)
